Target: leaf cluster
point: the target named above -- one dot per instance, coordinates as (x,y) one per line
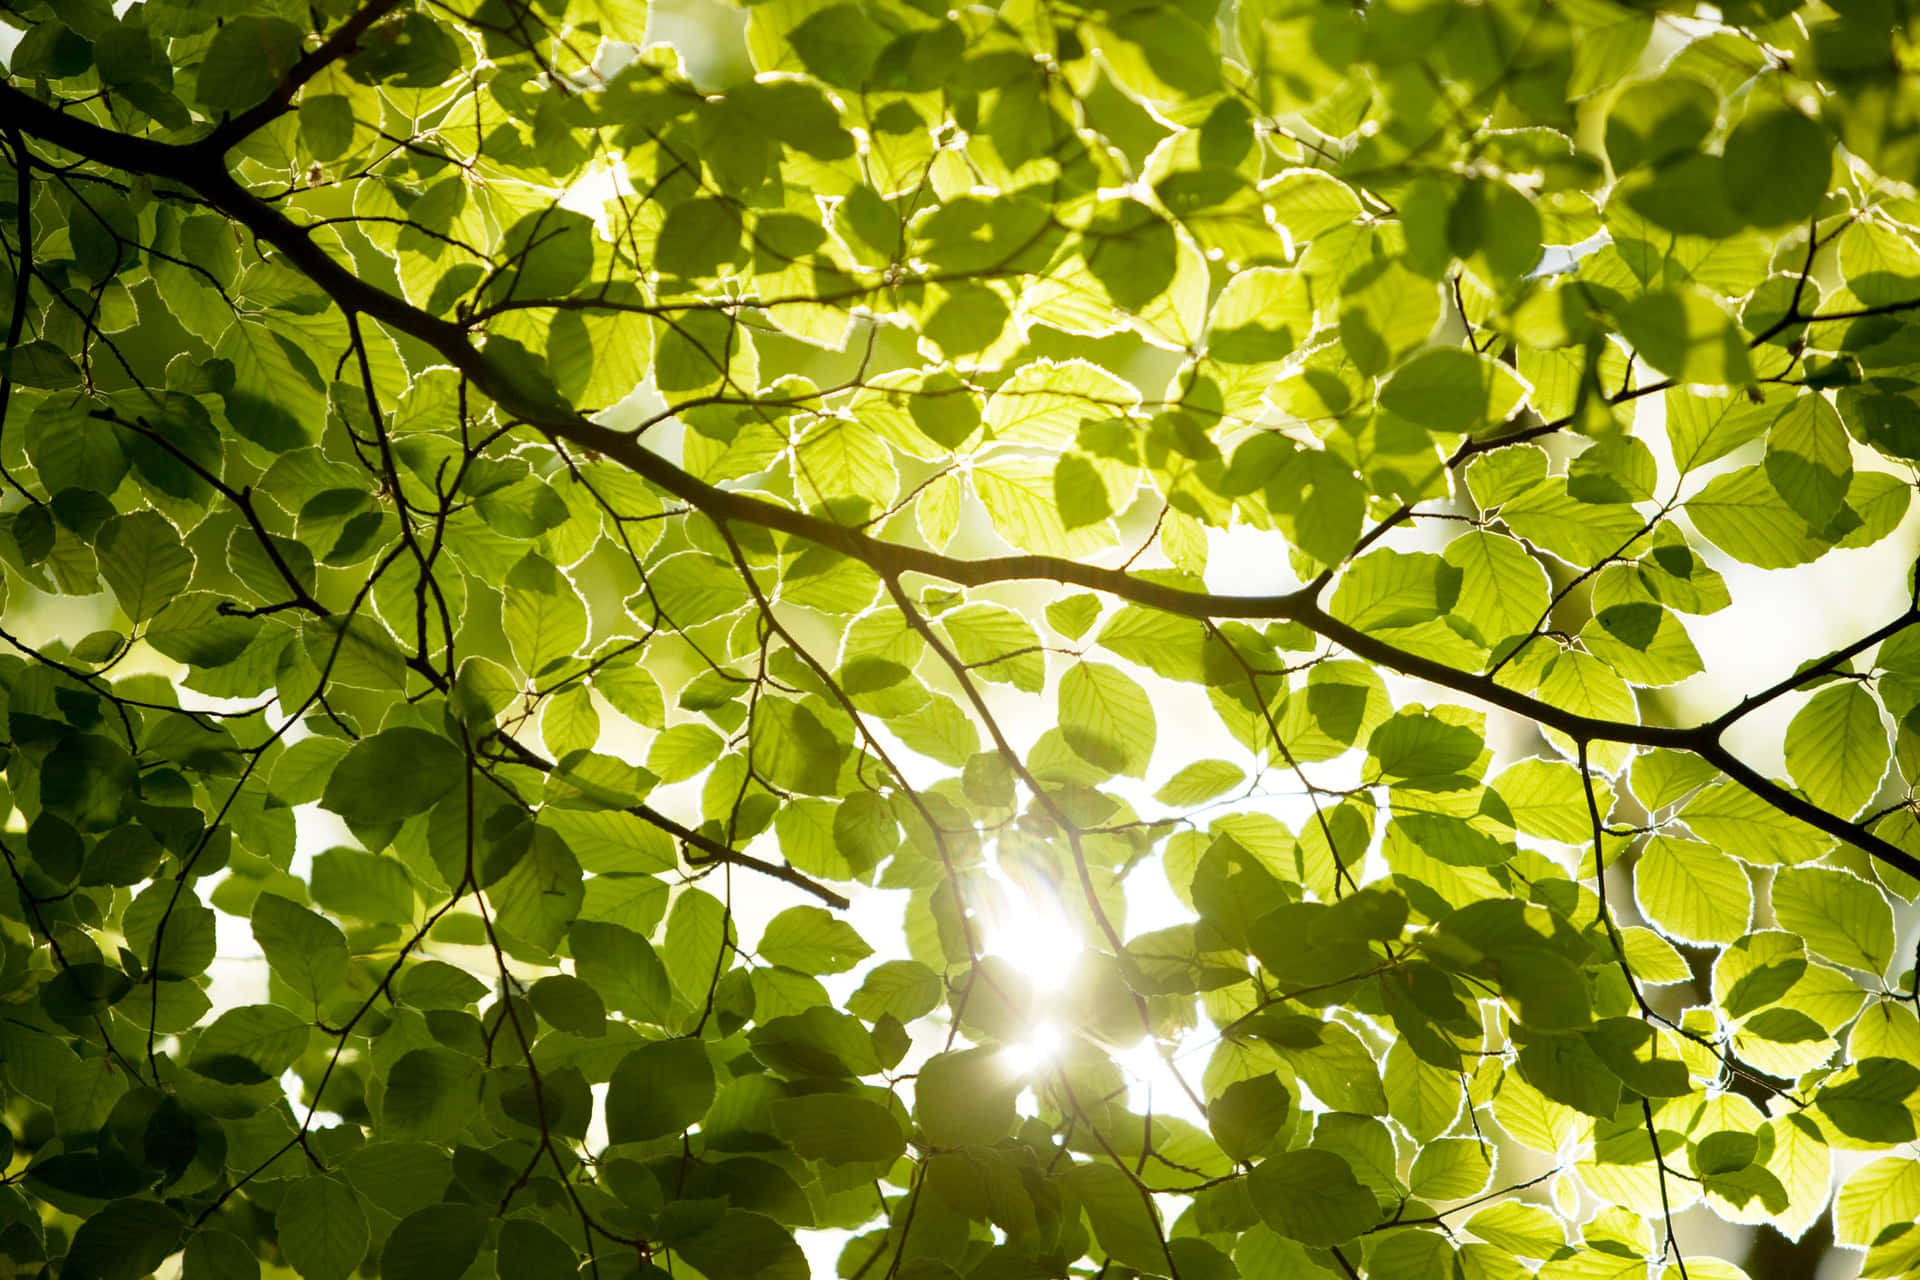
(666,498)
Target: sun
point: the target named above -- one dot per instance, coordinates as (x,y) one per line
(1028,930)
(1034,1052)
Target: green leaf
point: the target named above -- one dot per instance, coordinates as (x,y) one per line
(1296,56)
(1248,1114)
(1502,589)
(658,1089)
(815,1042)
(683,751)
(326,124)
(1124,1219)
(1319,502)
(1704,428)
(1545,798)
(744,1246)
(1566,1070)
(431,1094)
(438,1242)
(434,984)
(1653,121)
(544,617)
(569,1004)
(72,450)
(1688,335)
(246,61)
(551,251)
(1311,1196)
(363,887)
(838,43)
(1778,164)
(528,1249)
(1331,1061)
(1652,958)
(611,843)
(1839,915)
(361,788)
(1448,389)
(322,1228)
(1809,459)
(218,1255)
(998,643)
(307,951)
(1837,748)
(812,940)
(1692,892)
(1418,746)
(1106,718)
(1450,1169)
(274,397)
(90,780)
(1757,970)
(1581,533)
(1868,1101)
(1132,252)
(1261,316)
(906,989)
(622,966)
(1497,230)
(700,936)
(251,1043)
(965,1098)
(1405,1255)
(38,364)
(1619,469)
(839,1128)
(301,775)
(142,559)
(1877,1195)
(838,462)
(634,693)
(540,896)
(123,1241)
(1199,782)
(1018,495)
(1687,197)
(1179,51)
(1741,513)
(699,238)
(794,749)
(1388,588)
(1166,645)
(1549,992)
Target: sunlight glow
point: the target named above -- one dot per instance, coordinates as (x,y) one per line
(1030,932)
(1036,1052)
(1152,1086)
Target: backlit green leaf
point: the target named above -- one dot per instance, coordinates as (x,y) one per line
(1311,1196)
(658,1089)
(1692,891)
(1840,916)
(1837,748)
(1106,718)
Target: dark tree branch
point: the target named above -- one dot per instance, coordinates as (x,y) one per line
(704,849)
(206,174)
(22,280)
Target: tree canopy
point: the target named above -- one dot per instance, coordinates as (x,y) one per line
(637,573)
